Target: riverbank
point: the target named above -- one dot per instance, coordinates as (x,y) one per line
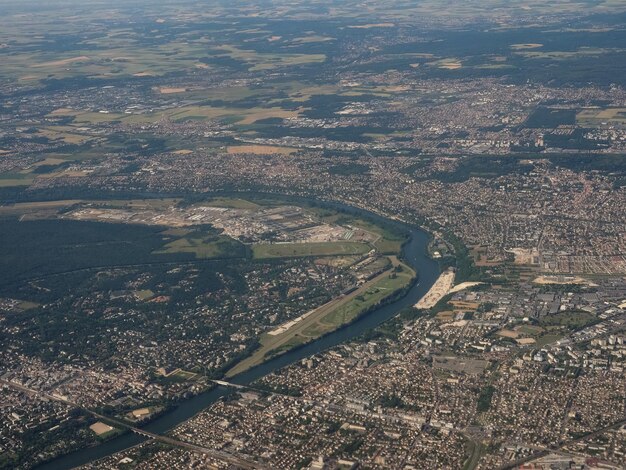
(438,291)
(414,254)
(337,313)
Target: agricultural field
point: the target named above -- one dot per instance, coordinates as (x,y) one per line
(602,117)
(570,320)
(15,179)
(182,114)
(263,61)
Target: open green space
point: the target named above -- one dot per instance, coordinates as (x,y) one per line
(330,316)
(571,319)
(347,312)
(234,203)
(294,250)
(601,117)
(144,294)
(389,238)
(475,451)
(530,330)
(184,375)
(294,341)
(196,112)
(547,338)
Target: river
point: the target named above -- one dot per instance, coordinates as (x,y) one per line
(414,253)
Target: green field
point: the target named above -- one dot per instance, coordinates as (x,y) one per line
(295,340)
(15,179)
(547,339)
(390,241)
(295,250)
(330,316)
(349,311)
(475,451)
(233,203)
(530,330)
(180,114)
(144,294)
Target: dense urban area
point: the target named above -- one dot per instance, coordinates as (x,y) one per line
(190,193)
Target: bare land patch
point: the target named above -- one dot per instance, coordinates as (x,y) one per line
(463,286)
(574,280)
(459,364)
(101,428)
(450,64)
(63,112)
(526,46)
(170,90)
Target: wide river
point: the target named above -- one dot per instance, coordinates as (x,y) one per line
(414,253)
